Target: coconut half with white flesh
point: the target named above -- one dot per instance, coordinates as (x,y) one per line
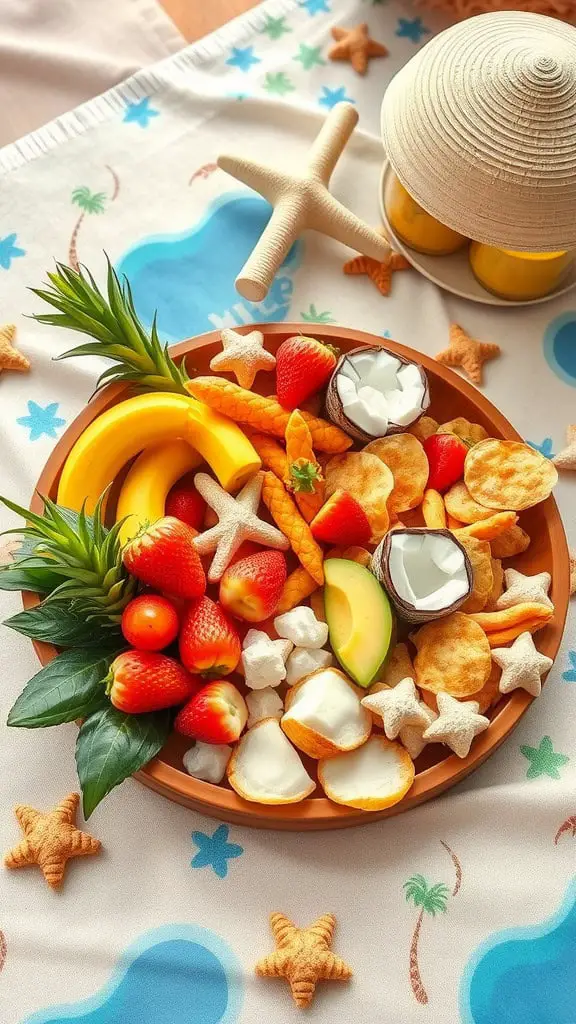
(266,769)
(426,573)
(374,392)
(324,715)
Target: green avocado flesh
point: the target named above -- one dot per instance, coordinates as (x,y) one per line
(359,618)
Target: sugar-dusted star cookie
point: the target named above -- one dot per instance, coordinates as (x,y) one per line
(10,357)
(303,956)
(397,707)
(243,355)
(50,840)
(566,459)
(467,353)
(522,665)
(457,724)
(379,273)
(356,46)
(520,588)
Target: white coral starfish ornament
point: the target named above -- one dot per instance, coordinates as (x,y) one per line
(301,200)
(237,522)
(243,355)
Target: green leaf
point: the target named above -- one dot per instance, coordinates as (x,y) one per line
(111,746)
(70,687)
(28,574)
(61,625)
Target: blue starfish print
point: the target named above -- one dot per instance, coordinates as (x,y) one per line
(545,448)
(570,675)
(386,334)
(9,251)
(243,58)
(412,30)
(330,97)
(215,851)
(41,420)
(316,7)
(140,113)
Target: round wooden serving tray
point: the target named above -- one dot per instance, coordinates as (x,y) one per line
(451,396)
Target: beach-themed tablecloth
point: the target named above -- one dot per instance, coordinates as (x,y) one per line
(462,910)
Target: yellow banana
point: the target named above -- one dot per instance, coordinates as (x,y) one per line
(143,494)
(126,429)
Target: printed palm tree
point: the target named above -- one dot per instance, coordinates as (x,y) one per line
(569,825)
(311,315)
(89,202)
(432,900)
(2,950)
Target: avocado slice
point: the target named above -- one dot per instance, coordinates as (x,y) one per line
(359,617)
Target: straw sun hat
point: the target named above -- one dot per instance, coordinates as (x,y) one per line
(480,128)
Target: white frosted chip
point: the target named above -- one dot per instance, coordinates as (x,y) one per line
(265,767)
(303,661)
(328,706)
(207,761)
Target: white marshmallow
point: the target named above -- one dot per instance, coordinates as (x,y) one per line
(302,662)
(263,704)
(263,665)
(301,626)
(207,761)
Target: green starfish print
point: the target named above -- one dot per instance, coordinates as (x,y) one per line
(278,83)
(309,56)
(313,316)
(275,28)
(544,760)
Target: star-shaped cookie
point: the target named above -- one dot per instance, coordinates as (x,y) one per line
(457,724)
(520,588)
(237,522)
(303,956)
(50,840)
(467,353)
(397,707)
(355,45)
(566,459)
(522,665)
(379,273)
(243,355)
(10,357)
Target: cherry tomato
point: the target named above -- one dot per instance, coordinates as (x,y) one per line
(150,622)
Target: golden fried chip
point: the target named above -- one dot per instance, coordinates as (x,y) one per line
(472,433)
(406,458)
(508,474)
(497,586)
(424,427)
(453,656)
(512,542)
(461,505)
(357,554)
(485,698)
(433,510)
(494,526)
(368,480)
(453,524)
(480,556)
(530,612)
(398,666)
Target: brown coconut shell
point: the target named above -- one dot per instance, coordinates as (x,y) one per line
(380,567)
(335,410)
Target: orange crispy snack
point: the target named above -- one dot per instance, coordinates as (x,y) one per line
(488,529)
(304,477)
(299,585)
(293,526)
(303,957)
(433,510)
(271,453)
(356,46)
(50,840)
(265,414)
(517,615)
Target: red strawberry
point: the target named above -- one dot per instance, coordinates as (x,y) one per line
(164,557)
(217,714)
(341,520)
(446,454)
(251,588)
(303,366)
(184,502)
(141,681)
(209,643)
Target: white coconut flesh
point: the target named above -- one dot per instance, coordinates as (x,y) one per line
(427,571)
(376,389)
(266,767)
(374,771)
(329,707)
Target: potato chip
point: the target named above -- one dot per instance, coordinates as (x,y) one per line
(461,505)
(433,510)
(398,666)
(368,480)
(453,524)
(357,554)
(497,586)
(405,456)
(480,556)
(469,432)
(424,427)
(485,698)
(489,529)
(453,656)
(516,615)
(508,475)
(512,542)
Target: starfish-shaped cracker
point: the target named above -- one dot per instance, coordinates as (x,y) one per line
(379,273)
(467,353)
(10,357)
(522,665)
(566,459)
(237,522)
(397,707)
(303,956)
(412,736)
(457,724)
(243,355)
(50,840)
(355,45)
(520,588)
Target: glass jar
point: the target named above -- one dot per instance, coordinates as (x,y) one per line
(518,276)
(414,226)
